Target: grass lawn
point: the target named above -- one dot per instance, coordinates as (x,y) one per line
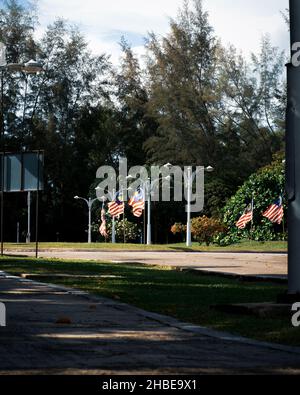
(277,246)
(185,296)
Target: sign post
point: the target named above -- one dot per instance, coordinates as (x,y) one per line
(22,172)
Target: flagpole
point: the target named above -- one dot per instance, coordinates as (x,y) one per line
(124,232)
(252,221)
(124,226)
(113,233)
(283,220)
(103,203)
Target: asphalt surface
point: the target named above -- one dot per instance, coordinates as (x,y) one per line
(252,264)
(55,330)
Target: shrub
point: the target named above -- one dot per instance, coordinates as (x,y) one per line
(132,231)
(204,229)
(178,228)
(265,186)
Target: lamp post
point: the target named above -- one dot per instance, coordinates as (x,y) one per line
(89,203)
(148,188)
(31,67)
(190,179)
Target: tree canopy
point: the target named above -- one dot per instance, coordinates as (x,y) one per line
(193,102)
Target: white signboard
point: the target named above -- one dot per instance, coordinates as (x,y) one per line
(2,314)
(2,55)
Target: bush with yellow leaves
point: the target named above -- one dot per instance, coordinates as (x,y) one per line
(204,229)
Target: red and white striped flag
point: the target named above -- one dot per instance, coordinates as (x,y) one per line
(102,228)
(246,217)
(275,212)
(117,207)
(137,202)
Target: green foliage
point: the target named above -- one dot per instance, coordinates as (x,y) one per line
(126,231)
(266,186)
(182,86)
(194,103)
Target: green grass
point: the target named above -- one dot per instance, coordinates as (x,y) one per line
(277,246)
(185,296)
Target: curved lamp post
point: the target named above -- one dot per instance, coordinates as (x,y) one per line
(31,67)
(148,187)
(89,203)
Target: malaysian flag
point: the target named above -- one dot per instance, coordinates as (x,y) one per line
(275,212)
(117,207)
(137,202)
(102,229)
(246,217)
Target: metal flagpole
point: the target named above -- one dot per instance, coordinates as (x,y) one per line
(252,221)
(124,231)
(189,198)
(149,236)
(144,224)
(283,219)
(37,209)
(113,231)
(103,209)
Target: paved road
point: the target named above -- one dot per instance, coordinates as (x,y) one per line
(53,330)
(234,263)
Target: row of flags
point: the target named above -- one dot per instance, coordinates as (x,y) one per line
(117,208)
(274,213)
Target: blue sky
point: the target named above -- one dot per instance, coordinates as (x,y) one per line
(239,22)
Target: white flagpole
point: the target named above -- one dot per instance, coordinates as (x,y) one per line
(283,219)
(252,221)
(124,232)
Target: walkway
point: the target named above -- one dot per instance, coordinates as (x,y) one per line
(55,330)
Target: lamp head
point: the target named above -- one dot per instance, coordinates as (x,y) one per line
(33,67)
(15,67)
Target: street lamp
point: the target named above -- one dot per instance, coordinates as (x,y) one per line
(190,179)
(89,203)
(148,187)
(31,67)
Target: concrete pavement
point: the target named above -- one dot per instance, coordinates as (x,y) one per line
(55,330)
(250,264)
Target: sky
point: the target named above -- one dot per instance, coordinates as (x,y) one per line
(238,22)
